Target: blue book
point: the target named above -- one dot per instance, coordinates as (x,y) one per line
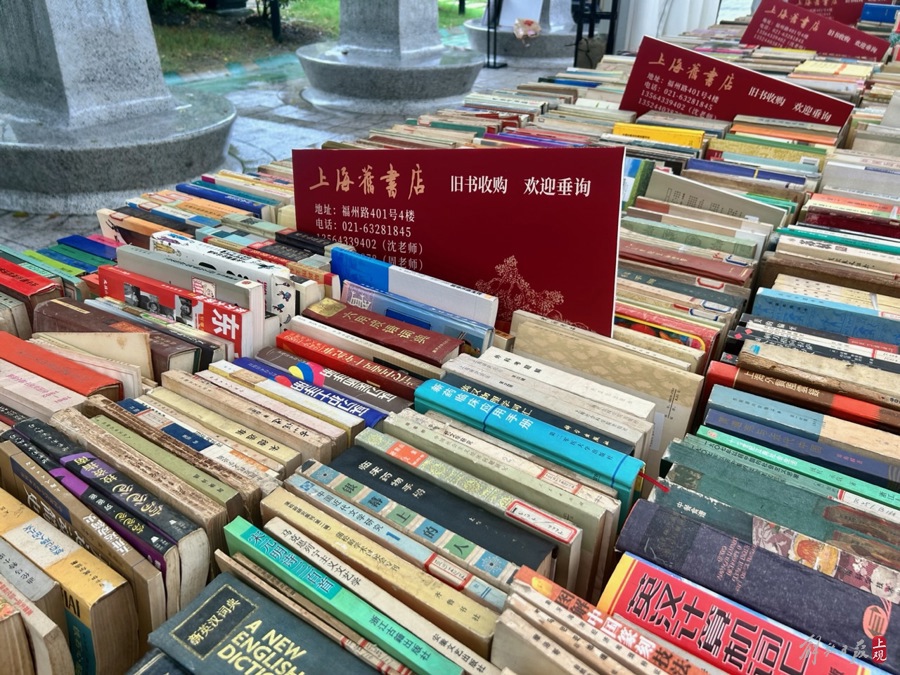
(174,214)
(370,416)
(89,246)
(224,189)
(879,13)
(590,459)
(739,170)
(221,197)
(360,269)
(858,322)
(863,467)
(68,260)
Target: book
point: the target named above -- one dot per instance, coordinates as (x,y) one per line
(16,319)
(123,355)
(796,596)
(14,640)
(100,614)
(156,662)
(47,641)
(34,583)
(519,645)
(390,380)
(37,482)
(469,622)
(26,286)
(181,305)
(70,316)
(333,595)
(60,370)
(32,394)
(639,589)
(402,336)
(231,625)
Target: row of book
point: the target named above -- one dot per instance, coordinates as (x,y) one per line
(448,497)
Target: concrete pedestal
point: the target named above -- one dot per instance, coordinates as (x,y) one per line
(388,54)
(556,40)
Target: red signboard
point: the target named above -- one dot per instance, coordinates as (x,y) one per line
(670,78)
(779,24)
(537,227)
(844,11)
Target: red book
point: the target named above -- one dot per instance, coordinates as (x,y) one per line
(718,630)
(384,377)
(57,369)
(683,262)
(667,327)
(27,286)
(406,338)
(775,388)
(178,305)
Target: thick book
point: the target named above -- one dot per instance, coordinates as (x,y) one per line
(812,603)
(29,287)
(100,614)
(181,305)
(58,369)
(726,634)
(229,626)
(66,315)
(382,376)
(333,596)
(32,394)
(473,526)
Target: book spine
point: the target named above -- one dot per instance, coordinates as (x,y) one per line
(638,590)
(393,381)
(475,559)
(749,575)
(328,594)
(88,245)
(371,417)
(716,269)
(593,460)
(436,565)
(862,467)
(308,371)
(215,195)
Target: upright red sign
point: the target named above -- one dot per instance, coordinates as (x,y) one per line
(670,78)
(537,227)
(780,24)
(845,11)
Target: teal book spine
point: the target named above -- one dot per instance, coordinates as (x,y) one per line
(323,590)
(839,482)
(590,459)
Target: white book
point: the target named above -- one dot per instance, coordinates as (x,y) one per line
(32,394)
(475,305)
(126,373)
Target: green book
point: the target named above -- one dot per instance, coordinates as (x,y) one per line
(321,589)
(81,256)
(51,262)
(74,286)
(685,235)
(793,466)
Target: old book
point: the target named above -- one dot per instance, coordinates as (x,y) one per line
(42,590)
(773,264)
(156,662)
(439,538)
(249,464)
(212,487)
(100,607)
(791,594)
(438,566)
(303,441)
(253,437)
(324,438)
(27,286)
(309,371)
(249,490)
(69,316)
(361,347)
(660,256)
(163,499)
(690,356)
(128,373)
(559,532)
(34,482)
(590,517)
(349,423)
(33,394)
(16,313)
(638,589)
(329,356)
(60,370)
(675,393)
(527,650)
(288,562)
(176,304)
(420,343)
(278,591)
(47,641)
(230,623)
(466,620)
(17,656)
(636,649)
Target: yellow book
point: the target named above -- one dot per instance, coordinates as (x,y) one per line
(678,136)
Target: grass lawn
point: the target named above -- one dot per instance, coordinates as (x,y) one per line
(206,41)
